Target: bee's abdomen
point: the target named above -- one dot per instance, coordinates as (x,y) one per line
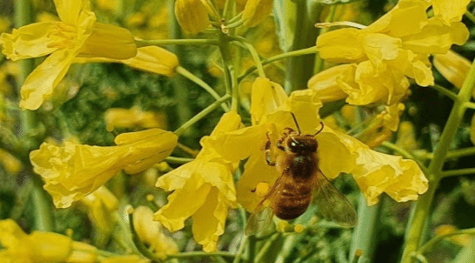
(293,203)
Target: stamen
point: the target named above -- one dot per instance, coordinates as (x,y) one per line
(339,23)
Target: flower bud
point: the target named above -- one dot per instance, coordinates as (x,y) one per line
(191,15)
(453,67)
(256,11)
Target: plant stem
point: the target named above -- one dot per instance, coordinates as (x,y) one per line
(470,105)
(201,254)
(201,115)
(300,52)
(365,233)
(445,91)
(470,16)
(230,81)
(419,217)
(241,249)
(460,153)
(185,73)
(457,172)
(254,54)
(431,243)
(178,160)
(138,243)
(265,248)
(183,42)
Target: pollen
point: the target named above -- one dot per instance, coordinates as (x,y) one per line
(262,188)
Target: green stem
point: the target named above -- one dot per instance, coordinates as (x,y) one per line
(240,251)
(265,248)
(295,53)
(470,105)
(40,199)
(254,54)
(201,254)
(457,172)
(445,91)
(185,73)
(319,62)
(433,241)
(178,160)
(138,243)
(252,248)
(470,16)
(225,50)
(454,154)
(364,235)
(201,115)
(420,215)
(183,42)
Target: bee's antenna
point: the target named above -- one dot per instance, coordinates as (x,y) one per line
(321,129)
(296,123)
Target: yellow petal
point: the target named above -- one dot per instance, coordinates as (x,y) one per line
(50,247)
(267,96)
(256,11)
(125,259)
(342,45)
(209,221)
(376,173)
(191,15)
(256,171)
(328,83)
(406,18)
(183,203)
(380,48)
(453,67)
(29,41)
(147,229)
(436,37)
(109,41)
(451,11)
(154,59)
(73,171)
(40,84)
(71,12)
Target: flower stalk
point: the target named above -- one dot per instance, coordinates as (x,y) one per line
(421,210)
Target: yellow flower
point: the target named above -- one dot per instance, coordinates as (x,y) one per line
(374,172)
(134,117)
(191,15)
(203,189)
(11,164)
(328,83)
(101,205)
(150,232)
(36,247)
(76,35)
(256,11)
(73,170)
(151,58)
(393,48)
(453,67)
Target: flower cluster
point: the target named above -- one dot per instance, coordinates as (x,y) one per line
(385,54)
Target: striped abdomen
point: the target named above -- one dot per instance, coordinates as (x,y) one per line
(292,199)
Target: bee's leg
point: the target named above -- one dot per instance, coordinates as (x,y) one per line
(268,151)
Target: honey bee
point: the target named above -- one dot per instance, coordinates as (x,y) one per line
(300,182)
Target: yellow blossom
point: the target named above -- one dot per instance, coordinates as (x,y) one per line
(36,247)
(101,205)
(453,67)
(328,82)
(203,189)
(76,35)
(134,117)
(151,59)
(72,171)
(256,11)
(11,164)
(192,15)
(374,172)
(392,49)
(150,232)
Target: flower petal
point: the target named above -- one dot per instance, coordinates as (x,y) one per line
(40,84)
(29,41)
(267,96)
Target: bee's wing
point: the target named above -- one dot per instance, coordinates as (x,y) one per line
(261,217)
(332,204)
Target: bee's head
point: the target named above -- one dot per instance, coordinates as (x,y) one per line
(301,144)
